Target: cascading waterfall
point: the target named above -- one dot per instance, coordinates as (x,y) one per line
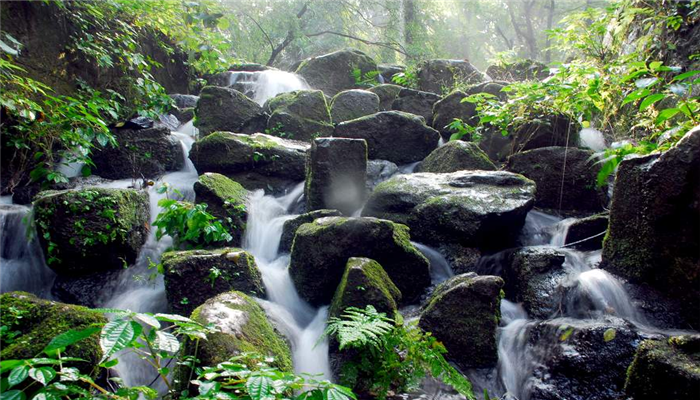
(264,85)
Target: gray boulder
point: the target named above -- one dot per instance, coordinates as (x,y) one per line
(473,208)
(224,109)
(333,73)
(378,171)
(336,174)
(524,70)
(416,102)
(387,94)
(351,104)
(184,100)
(587,233)
(566,178)
(299,115)
(365,283)
(289,229)
(437,75)
(450,108)
(226,200)
(321,250)
(463,313)
(395,136)
(456,155)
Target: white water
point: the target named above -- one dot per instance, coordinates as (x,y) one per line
(264,85)
(440,269)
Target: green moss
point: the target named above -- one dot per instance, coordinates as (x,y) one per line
(224,188)
(365,282)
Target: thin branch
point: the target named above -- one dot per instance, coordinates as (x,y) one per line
(392,46)
(272,46)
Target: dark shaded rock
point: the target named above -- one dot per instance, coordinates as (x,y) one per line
(416,102)
(89,290)
(91,230)
(192,277)
(387,71)
(577,190)
(224,109)
(463,313)
(490,87)
(38,321)
(183,115)
(336,174)
(351,104)
(523,70)
(140,153)
(378,171)
(226,200)
(333,73)
(256,161)
(473,208)
(184,100)
(321,250)
(456,155)
(395,136)
(587,233)
(665,369)
(437,75)
(300,115)
(546,131)
(289,229)
(450,108)
(654,235)
(462,259)
(387,94)
(365,283)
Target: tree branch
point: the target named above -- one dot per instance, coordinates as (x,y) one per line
(272,46)
(391,46)
(288,39)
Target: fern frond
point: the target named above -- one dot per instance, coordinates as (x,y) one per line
(359,327)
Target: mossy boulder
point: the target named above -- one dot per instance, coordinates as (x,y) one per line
(333,73)
(654,235)
(289,229)
(455,156)
(523,70)
(439,75)
(193,276)
(416,102)
(587,233)
(394,136)
(226,200)
(224,109)
(463,313)
(299,115)
(354,103)
(473,208)
(566,178)
(91,230)
(365,283)
(449,108)
(256,161)
(378,171)
(38,321)
(243,327)
(667,368)
(546,131)
(387,94)
(336,174)
(140,153)
(322,248)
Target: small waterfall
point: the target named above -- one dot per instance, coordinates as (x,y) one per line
(301,324)
(263,85)
(440,269)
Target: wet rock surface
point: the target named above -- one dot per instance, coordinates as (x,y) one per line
(333,72)
(455,156)
(225,200)
(365,283)
(299,115)
(416,102)
(351,104)
(224,109)
(289,229)
(436,75)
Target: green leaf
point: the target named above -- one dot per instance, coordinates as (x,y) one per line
(567,333)
(66,339)
(685,75)
(645,82)
(207,387)
(12,395)
(18,375)
(259,387)
(651,99)
(166,342)
(45,396)
(148,319)
(7,49)
(43,375)
(117,335)
(609,334)
(173,318)
(335,394)
(666,114)
(6,365)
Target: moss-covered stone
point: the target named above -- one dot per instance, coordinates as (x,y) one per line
(299,115)
(243,326)
(91,230)
(321,250)
(449,108)
(665,369)
(522,70)
(192,277)
(463,313)
(224,109)
(351,104)
(365,283)
(226,200)
(439,75)
(289,229)
(387,94)
(38,321)
(457,155)
(416,102)
(333,72)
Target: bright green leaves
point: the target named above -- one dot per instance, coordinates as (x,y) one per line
(18,375)
(60,342)
(260,387)
(116,336)
(12,395)
(43,375)
(358,328)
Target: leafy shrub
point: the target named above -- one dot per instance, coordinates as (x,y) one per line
(190,225)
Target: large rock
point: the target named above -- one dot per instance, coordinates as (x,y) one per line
(91,290)
(455,156)
(365,283)
(395,136)
(289,229)
(224,109)
(38,321)
(523,70)
(226,200)
(654,235)
(665,369)
(140,153)
(336,174)
(192,277)
(437,75)
(566,178)
(299,115)
(587,233)
(387,94)
(416,102)
(91,230)
(256,161)
(387,71)
(321,250)
(473,208)
(463,313)
(184,100)
(378,171)
(450,108)
(351,104)
(546,131)
(243,328)
(333,72)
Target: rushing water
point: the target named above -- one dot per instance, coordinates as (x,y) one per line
(264,85)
